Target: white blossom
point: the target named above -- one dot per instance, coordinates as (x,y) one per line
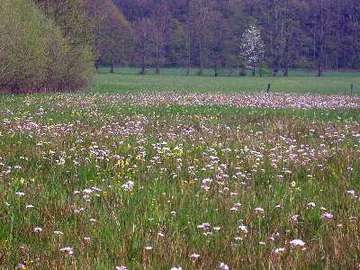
(252,46)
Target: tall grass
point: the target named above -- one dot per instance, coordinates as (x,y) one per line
(89,183)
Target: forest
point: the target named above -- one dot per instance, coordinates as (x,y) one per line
(314,34)
(56,45)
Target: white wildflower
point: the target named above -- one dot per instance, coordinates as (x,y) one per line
(311,205)
(297,243)
(20,194)
(38,230)
(128,186)
(194,256)
(223,266)
(259,210)
(243,228)
(68,250)
(121,267)
(279,250)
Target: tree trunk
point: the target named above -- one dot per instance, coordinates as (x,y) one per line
(201,71)
(216,73)
(112,68)
(188,71)
(157,61)
(319,69)
(286,70)
(321,39)
(143,60)
(287,41)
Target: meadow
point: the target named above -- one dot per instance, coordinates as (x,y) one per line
(132,175)
(126,80)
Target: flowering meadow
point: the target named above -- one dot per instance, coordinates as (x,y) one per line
(171,181)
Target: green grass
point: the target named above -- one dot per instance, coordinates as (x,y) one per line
(127,80)
(71,155)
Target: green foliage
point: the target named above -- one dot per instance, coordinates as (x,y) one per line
(34,53)
(23,44)
(111,32)
(70,16)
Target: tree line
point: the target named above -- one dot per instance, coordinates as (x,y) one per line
(313,34)
(48,45)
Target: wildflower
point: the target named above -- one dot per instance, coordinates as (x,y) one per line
(243,228)
(128,186)
(204,226)
(223,266)
(216,229)
(176,268)
(38,230)
(21,266)
(194,256)
(311,205)
(60,161)
(327,216)
(58,233)
(236,207)
(148,248)
(294,219)
(259,210)
(78,211)
(274,236)
(68,250)
(279,250)
(87,239)
(96,189)
(297,243)
(351,193)
(121,267)
(29,206)
(87,191)
(20,194)
(206,183)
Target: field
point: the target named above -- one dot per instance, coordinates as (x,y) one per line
(127,80)
(207,177)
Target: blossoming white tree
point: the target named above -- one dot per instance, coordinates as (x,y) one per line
(252,47)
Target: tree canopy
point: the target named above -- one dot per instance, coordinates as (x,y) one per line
(314,34)
(42,51)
